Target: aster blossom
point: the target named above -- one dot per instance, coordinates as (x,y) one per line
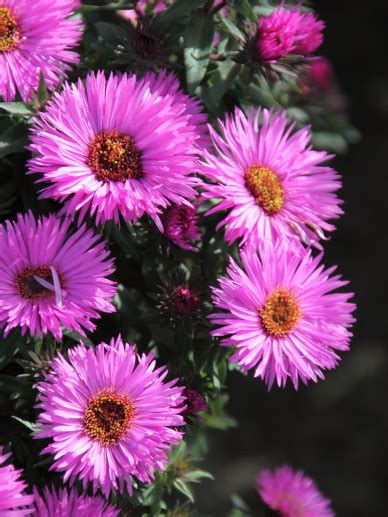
(292,494)
(195,402)
(68,503)
(270,180)
(13,501)
(36,39)
(181,226)
(180,298)
(281,314)
(285,32)
(119,146)
(51,278)
(109,414)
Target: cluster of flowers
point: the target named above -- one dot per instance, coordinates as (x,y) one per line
(122,147)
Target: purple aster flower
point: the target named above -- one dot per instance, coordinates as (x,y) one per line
(51,278)
(13,501)
(36,37)
(270,180)
(110,415)
(195,402)
(66,503)
(119,146)
(181,226)
(180,299)
(292,494)
(287,32)
(281,314)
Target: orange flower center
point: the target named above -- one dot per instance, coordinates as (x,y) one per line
(108,416)
(265,187)
(9,30)
(29,287)
(280,313)
(113,156)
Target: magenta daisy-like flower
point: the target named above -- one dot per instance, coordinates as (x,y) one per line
(269,180)
(181,226)
(51,278)
(119,146)
(110,415)
(287,32)
(66,503)
(281,314)
(13,501)
(292,494)
(36,37)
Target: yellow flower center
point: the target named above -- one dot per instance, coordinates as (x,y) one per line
(108,416)
(113,156)
(9,30)
(265,187)
(280,313)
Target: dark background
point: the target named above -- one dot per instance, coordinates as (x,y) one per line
(337,430)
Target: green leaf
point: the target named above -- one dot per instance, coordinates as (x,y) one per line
(182,487)
(198,474)
(17,108)
(115,6)
(298,114)
(13,140)
(42,93)
(111,33)
(244,7)
(232,29)
(30,425)
(75,336)
(329,141)
(222,80)
(198,38)
(9,346)
(180,9)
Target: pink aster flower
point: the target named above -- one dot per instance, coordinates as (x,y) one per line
(66,503)
(119,146)
(195,402)
(269,179)
(110,415)
(280,314)
(292,494)
(287,32)
(36,37)
(320,73)
(181,226)
(275,37)
(13,501)
(50,277)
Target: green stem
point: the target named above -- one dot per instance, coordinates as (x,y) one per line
(109,7)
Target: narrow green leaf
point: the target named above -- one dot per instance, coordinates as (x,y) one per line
(180,9)
(198,474)
(222,80)
(30,425)
(13,140)
(9,346)
(111,33)
(232,29)
(16,108)
(329,141)
(184,489)
(42,92)
(198,38)
(244,7)
(72,334)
